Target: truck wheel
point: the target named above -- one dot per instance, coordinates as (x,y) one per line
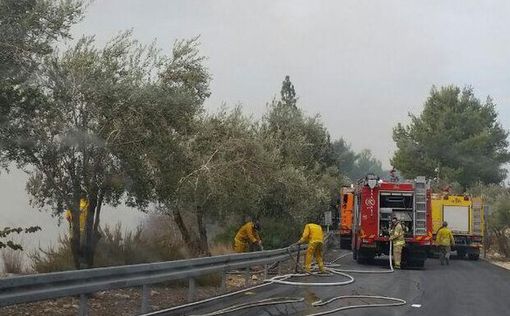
(363,259)
(345,243)
(417,263)
(461,254)
(474,256)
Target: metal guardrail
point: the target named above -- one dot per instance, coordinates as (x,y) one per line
(32,288)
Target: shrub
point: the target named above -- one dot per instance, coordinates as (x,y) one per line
(275,233)
(53,258)
(279,233)
(12,261)
(114,248)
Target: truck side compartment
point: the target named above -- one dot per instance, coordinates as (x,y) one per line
(346,209)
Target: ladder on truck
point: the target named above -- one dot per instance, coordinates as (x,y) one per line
(420,206)
(476,213)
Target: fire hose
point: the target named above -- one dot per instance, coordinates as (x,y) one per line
(284,279)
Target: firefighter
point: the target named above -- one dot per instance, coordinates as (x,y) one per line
(84,211)
(397,238)
(247,236)
(313,235)
(444,240)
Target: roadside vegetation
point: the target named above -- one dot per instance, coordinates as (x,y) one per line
(116,247)
(459,142)
(126,123)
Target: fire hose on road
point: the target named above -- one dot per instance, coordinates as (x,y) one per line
(331,267)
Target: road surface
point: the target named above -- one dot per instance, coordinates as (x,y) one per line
(462,288)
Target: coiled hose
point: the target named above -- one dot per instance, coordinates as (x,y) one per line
(284,279)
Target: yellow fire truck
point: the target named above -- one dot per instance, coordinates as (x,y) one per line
(465,218)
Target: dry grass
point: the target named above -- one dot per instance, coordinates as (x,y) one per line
(54,258)
(12,261)
(220,249)
(116,247)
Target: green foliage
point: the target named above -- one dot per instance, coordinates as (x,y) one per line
(497,200)
(226,234)
(356,165)
(278,232)
(456,138)
(28,28)
(367,163)
(345,157)
(298,140)
(501,213)
(288,94)
(84,130)
(125,120)
(499,222)
(226,166)
(278,170)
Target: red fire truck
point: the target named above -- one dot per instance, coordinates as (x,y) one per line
(376,202)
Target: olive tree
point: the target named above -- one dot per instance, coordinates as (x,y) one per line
(87,122)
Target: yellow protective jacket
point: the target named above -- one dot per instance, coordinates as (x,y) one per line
(84,211)
(312,233)
(444,237)
(247,233)
(397,235)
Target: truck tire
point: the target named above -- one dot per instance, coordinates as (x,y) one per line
(461,254)
(362,259)
(474,256)
(416,263)
(345,243)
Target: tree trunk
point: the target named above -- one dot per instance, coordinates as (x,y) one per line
(186,236)
(88,248)
(75,232)
(203,245)
(97,235)
(76,242)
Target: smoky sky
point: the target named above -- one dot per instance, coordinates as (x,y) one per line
(362,65)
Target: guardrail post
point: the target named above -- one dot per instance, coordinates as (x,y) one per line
(84,309)
(191,289)
(247,277)
(223,286)
(265,271)
(146,293)
(279,272)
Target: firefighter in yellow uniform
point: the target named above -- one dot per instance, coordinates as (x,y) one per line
(313,235)
(397,238)
(444,240)
(84,210)
(247,235)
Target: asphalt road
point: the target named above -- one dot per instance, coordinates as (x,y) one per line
(462,288)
